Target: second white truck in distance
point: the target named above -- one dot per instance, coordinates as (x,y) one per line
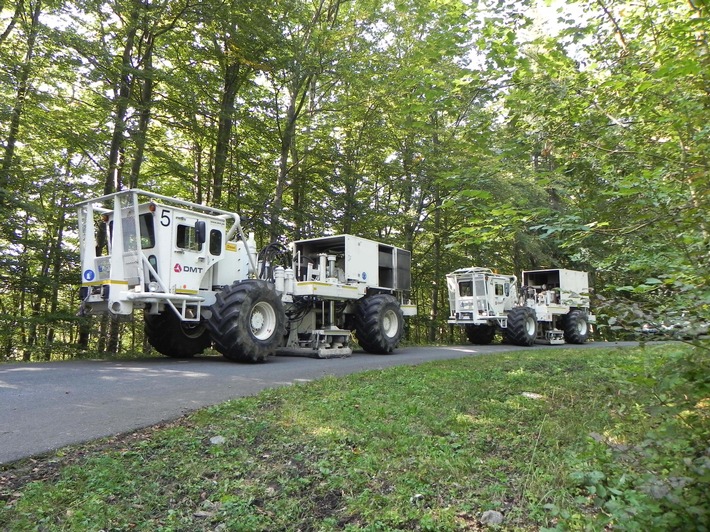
(550,307)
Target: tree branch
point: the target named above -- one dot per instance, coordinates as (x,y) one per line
(618,33)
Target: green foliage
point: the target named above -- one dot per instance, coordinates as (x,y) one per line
(659,480)
(506,135)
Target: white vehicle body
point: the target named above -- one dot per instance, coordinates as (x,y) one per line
(551,306)
(200,281)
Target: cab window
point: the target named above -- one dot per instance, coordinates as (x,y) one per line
(215,242)
(187,238)
(147,231)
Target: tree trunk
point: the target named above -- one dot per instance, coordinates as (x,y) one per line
(55,253)
(146,103)
(224,128)
(122,97)
(197,170)
(438,274)
(103,328)
(288,136)
(114,330)
(122,91)
(20,97)
(13,20)
(286,139)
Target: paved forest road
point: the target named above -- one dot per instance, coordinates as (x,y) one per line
(44,406)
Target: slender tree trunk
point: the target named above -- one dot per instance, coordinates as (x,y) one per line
(122,92)
(114,334)
(121,101)
(197,170)
(20,97)
(224,128)
(19,6)
(103,328)
(82,340)
(350,210)
(146,104)
(288,137)
(438,274)
(56,254)
(26,353)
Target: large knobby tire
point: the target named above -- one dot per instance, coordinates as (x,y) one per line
(480,334)
(247,321)
(172,337)
(522,326)
(576,327)
(379,324)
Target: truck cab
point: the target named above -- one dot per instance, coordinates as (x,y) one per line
(159,251)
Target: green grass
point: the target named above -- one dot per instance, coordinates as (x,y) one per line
(551,438)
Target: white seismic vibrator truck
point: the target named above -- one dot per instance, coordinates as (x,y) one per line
(201,282)
(550,307)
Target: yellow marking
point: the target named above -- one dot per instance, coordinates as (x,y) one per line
(109,281)
(230,246)
(189,292)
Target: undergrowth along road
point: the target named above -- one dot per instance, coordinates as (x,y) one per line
(546,438)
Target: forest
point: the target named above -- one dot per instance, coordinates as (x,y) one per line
(510,135)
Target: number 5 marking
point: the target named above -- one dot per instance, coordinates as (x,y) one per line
(165,218)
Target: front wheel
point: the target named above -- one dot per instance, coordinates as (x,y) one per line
(247,321)
(576,327)
(172,337)
(379,323)
(480,334)
(522,326)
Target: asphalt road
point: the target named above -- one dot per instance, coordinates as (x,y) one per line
(45,406)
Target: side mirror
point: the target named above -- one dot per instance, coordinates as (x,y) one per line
(201,231)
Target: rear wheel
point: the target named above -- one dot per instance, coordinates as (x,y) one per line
(480,334)
(172,337)
(576,327)
(247,322)
(522,326)
(379,323)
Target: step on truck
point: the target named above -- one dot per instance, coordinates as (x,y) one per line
(200,282)
(548,307)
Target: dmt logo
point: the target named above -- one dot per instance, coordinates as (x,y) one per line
(187,269)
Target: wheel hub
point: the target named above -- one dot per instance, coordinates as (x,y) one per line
(192,330)
(390,324)
(530,326)
(257,321)
(262,321)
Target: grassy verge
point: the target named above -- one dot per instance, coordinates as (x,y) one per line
(549,438)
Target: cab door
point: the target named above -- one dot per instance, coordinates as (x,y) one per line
(189,253)
(498,291)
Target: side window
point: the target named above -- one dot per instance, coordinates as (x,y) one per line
(465,289)
(146,228)
(499,289)
(215,242)
(507,289)
(147,231)
(187,238)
